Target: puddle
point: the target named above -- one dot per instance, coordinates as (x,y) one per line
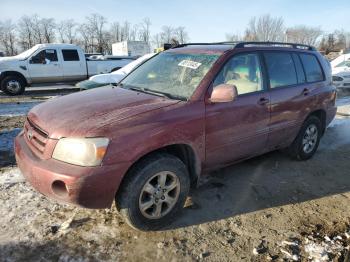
(7,137)
(16,109)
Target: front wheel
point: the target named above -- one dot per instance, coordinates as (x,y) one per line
(308,139)
(12,85)
(154,192)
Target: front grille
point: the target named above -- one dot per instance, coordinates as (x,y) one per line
(346,84)
(35,137)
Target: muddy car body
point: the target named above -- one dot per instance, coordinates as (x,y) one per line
(156,145)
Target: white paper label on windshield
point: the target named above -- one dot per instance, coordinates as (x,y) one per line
(189,64)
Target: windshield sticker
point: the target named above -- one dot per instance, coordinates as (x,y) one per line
(189,64)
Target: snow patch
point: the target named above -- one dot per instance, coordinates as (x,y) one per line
(11,176)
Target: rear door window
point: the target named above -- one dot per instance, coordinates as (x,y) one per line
(281,69)
(70,55)
(312,68)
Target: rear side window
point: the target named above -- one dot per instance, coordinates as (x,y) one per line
(299,69)
(281,69)
(312,68)
(70,55)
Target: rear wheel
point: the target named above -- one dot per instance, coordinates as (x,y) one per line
(308,139)
(13,85)
(154,192)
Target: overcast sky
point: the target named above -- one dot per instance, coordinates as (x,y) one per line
(205,21)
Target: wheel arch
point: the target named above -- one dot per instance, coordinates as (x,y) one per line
(322,115)
(13,73)
(183,151)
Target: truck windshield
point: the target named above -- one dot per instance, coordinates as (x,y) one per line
(173,75)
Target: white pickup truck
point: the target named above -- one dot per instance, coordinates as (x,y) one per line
(52,63)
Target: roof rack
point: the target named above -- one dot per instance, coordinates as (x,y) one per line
(278,44)
(240,44)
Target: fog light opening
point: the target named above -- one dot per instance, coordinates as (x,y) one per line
(59,188)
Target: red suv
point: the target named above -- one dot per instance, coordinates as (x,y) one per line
(195,107)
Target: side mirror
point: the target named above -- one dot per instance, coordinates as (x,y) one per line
(223,93)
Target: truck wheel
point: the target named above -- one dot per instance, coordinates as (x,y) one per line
(13,85)
(307,141)
(154,192)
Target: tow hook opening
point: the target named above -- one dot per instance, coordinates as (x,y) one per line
(59,188)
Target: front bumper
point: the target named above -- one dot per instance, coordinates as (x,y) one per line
(90,187)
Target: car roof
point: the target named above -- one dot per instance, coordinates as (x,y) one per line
(202,48)
(222,47)
(56,45)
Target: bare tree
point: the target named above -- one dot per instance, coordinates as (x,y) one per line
(48,27)
(26,32)
(233,37)
(167,34)
(125,33)
(156,40)
(96,24)
(87,38)
(67,31)
(181,34)
(115,32)
(265,28)
(303,34)
(133,33)
(335,41)
(8,37)
(37,30)
(145,30)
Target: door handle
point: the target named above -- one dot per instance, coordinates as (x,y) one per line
(263,101)
(306,91)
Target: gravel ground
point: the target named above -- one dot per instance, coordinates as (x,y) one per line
(267,208)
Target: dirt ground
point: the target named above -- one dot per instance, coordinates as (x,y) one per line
(267,208)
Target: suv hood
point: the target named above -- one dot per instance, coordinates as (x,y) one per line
(84,114)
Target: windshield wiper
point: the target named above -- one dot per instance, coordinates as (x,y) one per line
(117,84)
(171,96)
(147,91)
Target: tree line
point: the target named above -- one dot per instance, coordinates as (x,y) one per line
(268,28)
(95,34)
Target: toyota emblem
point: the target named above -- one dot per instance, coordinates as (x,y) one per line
(30,134)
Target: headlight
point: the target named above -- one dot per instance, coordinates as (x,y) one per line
(81,151)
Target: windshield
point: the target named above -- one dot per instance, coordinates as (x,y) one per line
(27,53)
(171,74)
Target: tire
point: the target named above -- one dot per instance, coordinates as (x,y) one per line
(299,149)
(13,85)
(132,193)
